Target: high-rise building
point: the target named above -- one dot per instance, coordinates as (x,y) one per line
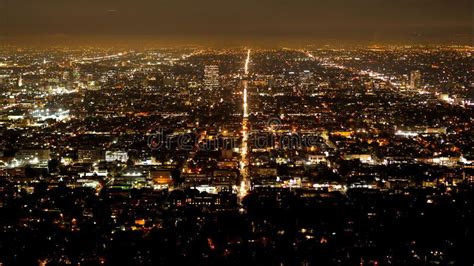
(211,77)
(305,77)
(20,81)
(415,79)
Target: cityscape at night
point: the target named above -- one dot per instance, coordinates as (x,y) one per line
(278,149)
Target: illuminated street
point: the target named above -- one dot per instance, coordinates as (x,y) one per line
(245,183)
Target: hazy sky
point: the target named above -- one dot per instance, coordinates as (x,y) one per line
(447,21)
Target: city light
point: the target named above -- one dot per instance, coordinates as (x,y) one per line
(236,133)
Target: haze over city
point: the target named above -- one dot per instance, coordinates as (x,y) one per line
(361,21)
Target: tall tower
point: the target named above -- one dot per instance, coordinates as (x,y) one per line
(415,79)
(20,81)
(211,77)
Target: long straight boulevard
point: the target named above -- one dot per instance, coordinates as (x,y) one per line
(244,160)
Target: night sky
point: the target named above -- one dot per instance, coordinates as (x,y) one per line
(445,21)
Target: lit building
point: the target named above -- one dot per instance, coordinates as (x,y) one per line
(112,156)
(33,156)
(211,77)
(44,114)
(415,79)
(306,78)
(89,155)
